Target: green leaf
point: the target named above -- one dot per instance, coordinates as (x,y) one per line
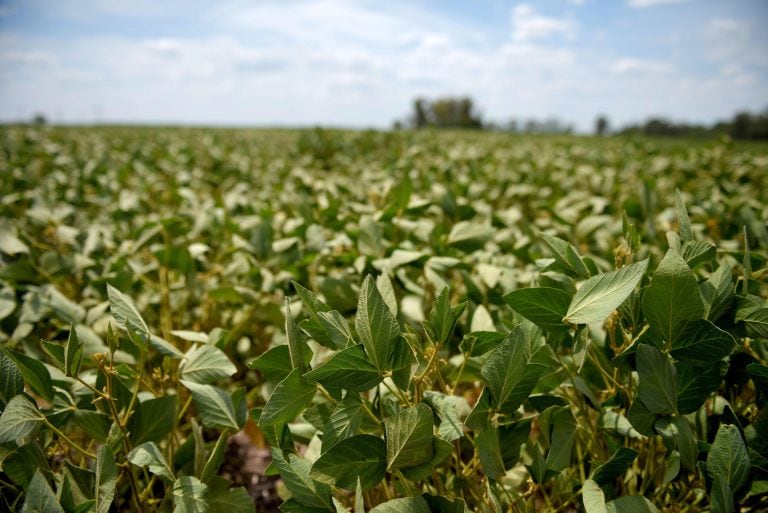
(21,464)
(565,254)
(444,406)
(440,504)
(376,326)
(600,295)
(359,499)
(162,346)
(561,440)
(509,372)
(149,455)
(274,364)
(678,432)
(658,385)
(543,306)
(39,497)
(631,504)
(234,500)
(35,374)
(216,458)
(19,419)
(106,479)
(152,419)
(717,292)
(443,318)
(403,505)
(73,353)
(344,421)
(489,452)
(683,221)
(721,496)
(95,424)
(288,399)
(698,251)
(214,406)
(205,364)
(11,381)
(295,473)
(190,495)
(672,300)
(297,346)
(441,450)
(694,385)
(349,369)
(361,456)
(124,311)
(728,457)
(615,467)
(409,437)
(702,343)
(593,497)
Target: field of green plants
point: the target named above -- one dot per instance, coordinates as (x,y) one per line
(224,321)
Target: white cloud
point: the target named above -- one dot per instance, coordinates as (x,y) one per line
(529,25)
(641,4)
(629,65)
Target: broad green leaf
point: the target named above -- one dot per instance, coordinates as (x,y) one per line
(728,457)
(597,297)
(344,421)
(752,312)
(561,439)
(35,374)
(658,385)
(387,292)
(336,328)
(125,312)
(21,463)
(469,236)
(376,326)
(149,455)
(274,364)
(161,345)
(297,346)
(288,399)
(295,473)
(444,406)
(678,432)
(19,419)
(721,496)
(39,497)
(672,300)
(615,467)
(361,456)
(190,495)
(565,254)
(441,504)
(544,306)
(489,452)
(11,380)
(717,292)
(698,251)
(409,437)
(234,500)
(593,497)
(95,424)
(479,418)
(106,479)
(510,373)
(205,364)
(694,385)
(152,419)
(441,450)
(349,369)
(403,505)
(702,343)
(214,406)
(359,499)
(191,336)
(631,504)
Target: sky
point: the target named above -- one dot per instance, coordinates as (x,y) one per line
(361,63)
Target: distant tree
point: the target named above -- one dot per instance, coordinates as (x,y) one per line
(39,119)
(601,126)
(448,112)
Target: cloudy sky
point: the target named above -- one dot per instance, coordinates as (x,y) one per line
(360,63)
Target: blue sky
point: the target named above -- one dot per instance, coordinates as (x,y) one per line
(361,63)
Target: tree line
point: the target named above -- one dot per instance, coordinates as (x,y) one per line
(461,112)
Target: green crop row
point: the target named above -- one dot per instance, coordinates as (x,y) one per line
(409,322)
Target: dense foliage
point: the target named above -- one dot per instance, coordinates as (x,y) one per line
(413,322)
